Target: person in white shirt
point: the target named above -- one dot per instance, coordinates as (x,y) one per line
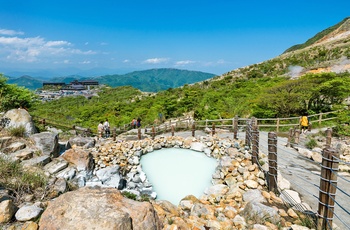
(107,128)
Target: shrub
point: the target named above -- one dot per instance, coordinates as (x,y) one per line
(17,131)
(311,143)
(129,195)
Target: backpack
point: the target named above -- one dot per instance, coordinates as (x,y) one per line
(304,121)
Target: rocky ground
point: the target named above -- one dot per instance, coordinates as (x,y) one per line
(85,188)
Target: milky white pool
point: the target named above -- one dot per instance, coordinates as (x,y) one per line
(176,173)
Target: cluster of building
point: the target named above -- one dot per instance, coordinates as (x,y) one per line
(75,88)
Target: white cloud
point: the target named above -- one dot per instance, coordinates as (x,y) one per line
(10,32)
(126,61)
(85,62)
(35,49)
(103,43)
(156,60)
(182,63)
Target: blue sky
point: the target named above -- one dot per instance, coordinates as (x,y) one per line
(122,36)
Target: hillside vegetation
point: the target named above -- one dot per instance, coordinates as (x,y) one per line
(266,90)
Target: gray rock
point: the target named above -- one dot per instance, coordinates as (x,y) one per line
(20,117)
(28,212)
(42,160)
(47,142)
(7,210)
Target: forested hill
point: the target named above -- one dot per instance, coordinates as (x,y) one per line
(152,80)
(155,80)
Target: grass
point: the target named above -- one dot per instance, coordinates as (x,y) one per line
(17,131)
(19,181)
(311,143)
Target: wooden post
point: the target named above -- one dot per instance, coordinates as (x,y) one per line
(193,129)
(235,127)
(328,183)
(213,129)
(153,132)
(206,123)
(114,133)
(247,134)
(272,149)
(309,127)
(296,136)
(328,137)
(278,125)
(255,144)
(172,130)
(139,133)
(290,135)
(320,119)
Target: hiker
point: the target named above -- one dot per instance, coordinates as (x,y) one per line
(133,123)
(304,123)
(107,128)
(100,129)
(138,122)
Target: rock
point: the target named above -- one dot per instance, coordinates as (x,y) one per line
(98,208)
(219,189)
(7,210)
(251,184)
(28,212)
(14,147)
(56,165)
(104,174)
(30,225)
(19,117)
(197,146)
(260,213)
(253,195)
(87,142)
(42,160)
(290,197)
(47,142)
(82,159)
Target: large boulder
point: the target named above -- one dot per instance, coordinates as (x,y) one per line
(98,208)
(15,118)
(82,159)
(47,142)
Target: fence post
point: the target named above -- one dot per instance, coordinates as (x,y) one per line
(320,119)
(172,130)
(213,129)
(290,134)
(272,149)
(193,129)
(206,123)
(235,127)
(139,133)
(153,132)
(255,144)
(328,183)
(247,134)
(277,125)
(114,133)
(328,137)
(296,136)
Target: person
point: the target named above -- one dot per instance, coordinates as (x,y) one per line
(133,123)
(107,128)
(304,123)
(138,122)
(100,129)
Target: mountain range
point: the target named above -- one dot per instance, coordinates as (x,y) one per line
(152,80)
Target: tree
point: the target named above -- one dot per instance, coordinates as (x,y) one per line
(12,96)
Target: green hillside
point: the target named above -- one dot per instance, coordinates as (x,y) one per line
(155,80)
(27,82)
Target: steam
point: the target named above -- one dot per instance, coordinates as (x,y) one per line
(295,71)
(344,65)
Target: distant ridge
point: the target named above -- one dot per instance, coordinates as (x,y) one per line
(152,80)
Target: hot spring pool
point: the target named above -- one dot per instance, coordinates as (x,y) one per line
(176,173)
